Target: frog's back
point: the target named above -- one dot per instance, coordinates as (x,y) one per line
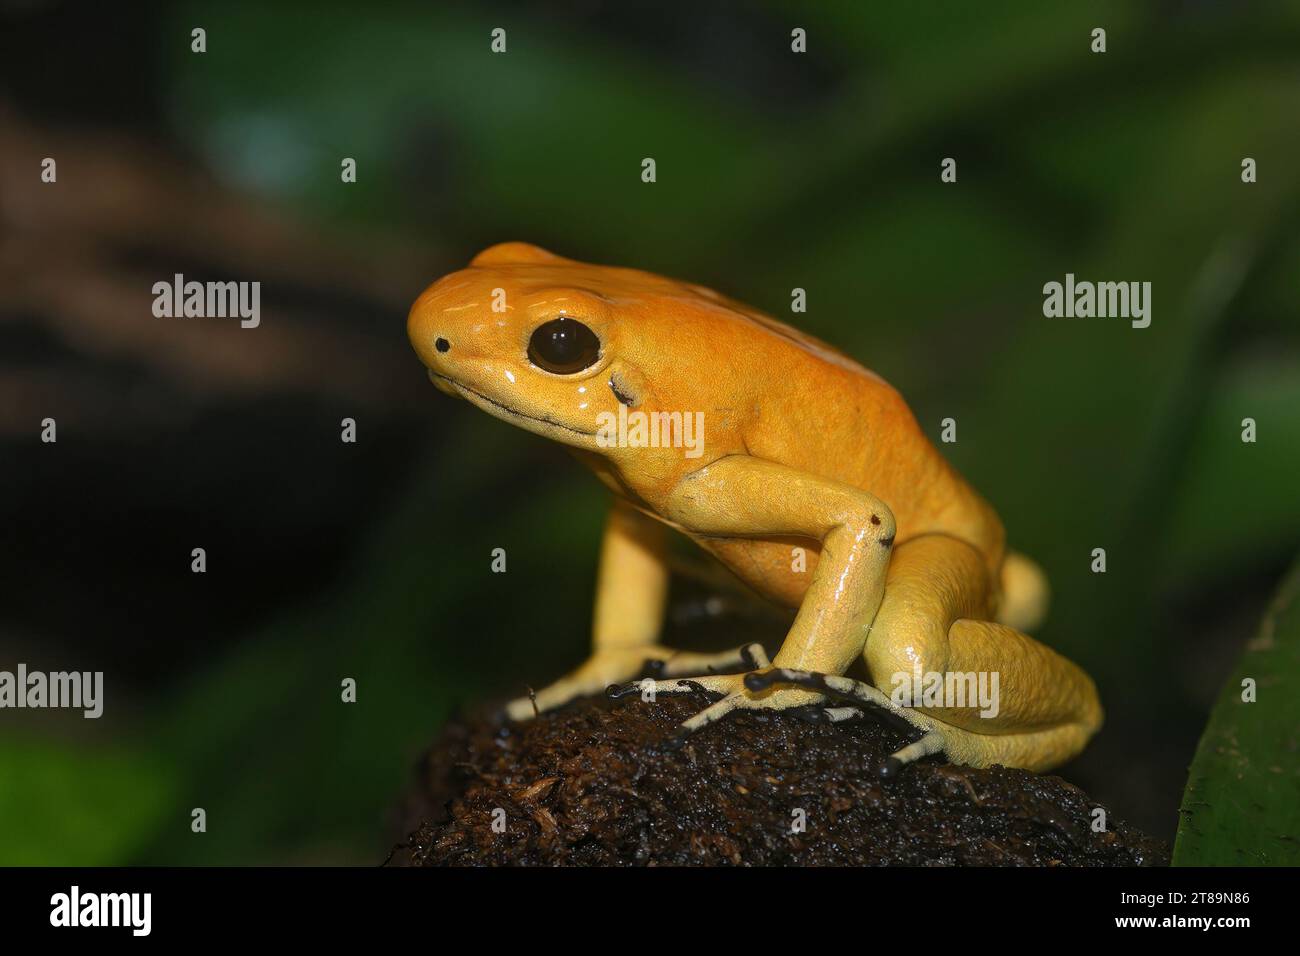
(820,411)
(780,394)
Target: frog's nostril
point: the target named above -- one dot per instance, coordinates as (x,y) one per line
(442,345)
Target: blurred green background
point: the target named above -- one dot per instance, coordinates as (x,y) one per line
(775,171)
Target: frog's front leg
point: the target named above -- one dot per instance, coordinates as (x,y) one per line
(631,590)
(740,496)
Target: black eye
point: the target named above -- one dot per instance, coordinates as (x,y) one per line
(563,346)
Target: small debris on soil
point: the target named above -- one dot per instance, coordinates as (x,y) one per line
(596,784)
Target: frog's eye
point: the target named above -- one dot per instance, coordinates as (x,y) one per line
(563,346)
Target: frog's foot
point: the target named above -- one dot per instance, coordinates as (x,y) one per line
(671,673)
(750,657)
(732,687)
(649,688)
(610,664)
(932,741)
(605,665)
(837,715)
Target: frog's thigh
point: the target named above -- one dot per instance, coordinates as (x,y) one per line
(931,621)
(933,581)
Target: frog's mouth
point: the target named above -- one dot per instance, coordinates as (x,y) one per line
(498,409)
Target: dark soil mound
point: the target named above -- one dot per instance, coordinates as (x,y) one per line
(595,784)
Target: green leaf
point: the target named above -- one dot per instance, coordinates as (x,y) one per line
(1242,803)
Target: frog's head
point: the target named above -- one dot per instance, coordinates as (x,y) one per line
(543,342)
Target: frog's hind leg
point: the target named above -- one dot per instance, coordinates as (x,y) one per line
(1002,696)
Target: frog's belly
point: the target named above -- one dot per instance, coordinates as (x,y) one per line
(779,569)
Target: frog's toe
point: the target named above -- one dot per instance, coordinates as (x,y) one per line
(521,708)
(684,663)
(837,715)
(834,685)
(715,711)
(932,741)
(741,697)
(648,688)
(759,690)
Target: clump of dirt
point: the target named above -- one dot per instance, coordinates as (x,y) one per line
(597,784)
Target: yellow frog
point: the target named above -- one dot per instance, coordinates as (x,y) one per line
(809,479)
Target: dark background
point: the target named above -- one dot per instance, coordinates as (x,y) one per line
(775,170)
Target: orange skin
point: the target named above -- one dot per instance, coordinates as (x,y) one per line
(814,485)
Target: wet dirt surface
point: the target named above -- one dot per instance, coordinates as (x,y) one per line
(596,784)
